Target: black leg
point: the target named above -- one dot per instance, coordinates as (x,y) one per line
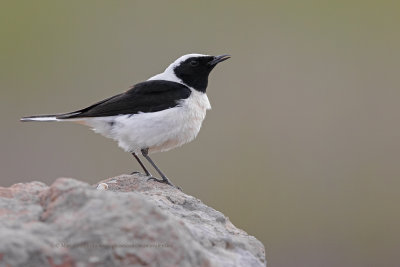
(141,164)
(164,178)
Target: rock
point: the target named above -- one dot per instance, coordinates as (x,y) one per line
(127,221)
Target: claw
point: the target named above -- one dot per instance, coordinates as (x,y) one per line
(163,182)
(157,180)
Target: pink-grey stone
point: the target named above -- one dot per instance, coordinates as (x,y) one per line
(131,222)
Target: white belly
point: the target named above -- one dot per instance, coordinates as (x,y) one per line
(158,131)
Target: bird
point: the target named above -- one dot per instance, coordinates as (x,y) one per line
(157,115)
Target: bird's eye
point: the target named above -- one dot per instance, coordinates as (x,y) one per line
(194,63)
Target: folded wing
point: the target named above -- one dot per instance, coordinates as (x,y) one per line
(149,96)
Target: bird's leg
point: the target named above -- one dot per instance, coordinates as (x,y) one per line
(145,153)
(141,164)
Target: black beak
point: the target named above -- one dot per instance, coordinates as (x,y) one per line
(218,59)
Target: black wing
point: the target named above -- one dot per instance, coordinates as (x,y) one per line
(149,96)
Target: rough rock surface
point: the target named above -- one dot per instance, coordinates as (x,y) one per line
(130,222)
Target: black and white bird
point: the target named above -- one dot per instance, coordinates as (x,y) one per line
(162,113)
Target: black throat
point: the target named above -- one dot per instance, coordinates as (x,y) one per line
(197,83)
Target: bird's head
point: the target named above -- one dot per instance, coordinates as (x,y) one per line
(193,70)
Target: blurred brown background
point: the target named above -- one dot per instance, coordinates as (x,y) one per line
(301,148)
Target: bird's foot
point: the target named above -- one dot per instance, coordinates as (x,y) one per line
(146,174)
(164,181)
(155,179)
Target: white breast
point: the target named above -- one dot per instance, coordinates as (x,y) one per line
(158,131)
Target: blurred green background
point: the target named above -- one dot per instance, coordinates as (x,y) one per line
(301,148)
